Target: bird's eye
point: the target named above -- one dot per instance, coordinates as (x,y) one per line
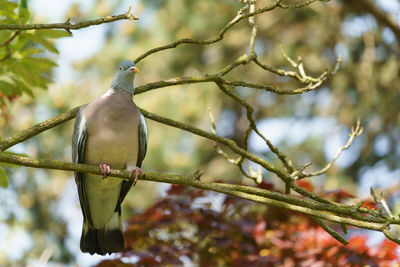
(120,68)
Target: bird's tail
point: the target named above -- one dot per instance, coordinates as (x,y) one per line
(109,239)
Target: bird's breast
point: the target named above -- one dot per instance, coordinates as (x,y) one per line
(113,134)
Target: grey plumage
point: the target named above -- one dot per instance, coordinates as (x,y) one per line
(109,130)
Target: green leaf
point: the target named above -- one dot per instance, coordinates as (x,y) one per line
(25,73)
(30,51)
(7,8)
(22,87)
(23,16)
(23,4)
(23,12)
(41,63)
(4,36)
(6,88)
(53,33)
(22,39)
(3,178)
(44,42)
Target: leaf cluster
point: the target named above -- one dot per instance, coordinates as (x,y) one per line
(25,56)
(208,229)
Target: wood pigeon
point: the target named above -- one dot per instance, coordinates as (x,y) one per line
(109,132)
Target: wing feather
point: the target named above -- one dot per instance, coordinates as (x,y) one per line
(79,138)
(143,136)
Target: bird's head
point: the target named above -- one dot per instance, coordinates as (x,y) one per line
(124,76)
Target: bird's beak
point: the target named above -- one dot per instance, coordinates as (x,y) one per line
(133,69)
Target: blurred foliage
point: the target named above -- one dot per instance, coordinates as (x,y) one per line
(189,227)
(24,55)
(25,59)
(367,86)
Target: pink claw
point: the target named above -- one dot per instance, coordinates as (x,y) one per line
(137,171)
(105,169)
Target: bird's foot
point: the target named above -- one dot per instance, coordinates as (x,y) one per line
(137,171)
(105,169)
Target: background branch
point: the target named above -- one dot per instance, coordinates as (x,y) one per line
(67,25)
(380,15)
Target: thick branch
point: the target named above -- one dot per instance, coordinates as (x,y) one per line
(52,122)
(38,128)
(244,192)
(67,25)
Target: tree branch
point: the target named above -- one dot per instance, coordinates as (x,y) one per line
(38,128)
(7,42)
(315,205)
(289,181)
(240,16)
(330,231)
(67,25)
(253,126)
(299,5)
(355,131)
(254,194)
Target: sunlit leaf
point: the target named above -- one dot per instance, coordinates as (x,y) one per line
(26,73)
(30,51)
(22,87)
(7,8)
(53,33)
(41,63)
(23,16)
(6,88)
(44,42)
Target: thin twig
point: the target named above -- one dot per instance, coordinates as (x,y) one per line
(15,34)
(381,200)
(235,161)
(240,16)
(330,231)
(67,25)
(299,5)
(355,131)
(8,55)
(253,126)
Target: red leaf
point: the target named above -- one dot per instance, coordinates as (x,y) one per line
(339,194)
(387,250)
(266,186)
(114,263)
(370,205)
(358,244)
(305,185)
(258,232)
(176,189)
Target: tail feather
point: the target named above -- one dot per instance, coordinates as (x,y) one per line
(109,239)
